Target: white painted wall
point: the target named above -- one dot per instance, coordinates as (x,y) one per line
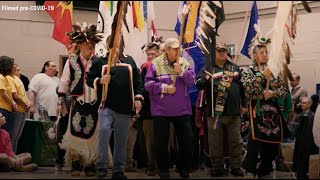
(306,50)
(26,36)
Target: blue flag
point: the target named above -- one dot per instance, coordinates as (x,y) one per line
(191,52)
(251,33)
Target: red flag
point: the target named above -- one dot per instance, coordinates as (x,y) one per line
(61,13)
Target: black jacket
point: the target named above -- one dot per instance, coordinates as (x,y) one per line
(119,97)
(146,111)
(235,92)
(304,145)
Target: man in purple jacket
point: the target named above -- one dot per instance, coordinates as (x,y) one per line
(171,103)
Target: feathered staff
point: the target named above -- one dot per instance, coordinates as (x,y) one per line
(211,17)
(115,41)
(209,23)
(284,28)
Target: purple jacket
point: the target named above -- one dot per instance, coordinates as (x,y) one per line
(160,74)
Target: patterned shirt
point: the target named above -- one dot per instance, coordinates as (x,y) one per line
(254,83)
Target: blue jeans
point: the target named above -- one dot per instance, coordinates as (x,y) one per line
(15,128)
(120,124)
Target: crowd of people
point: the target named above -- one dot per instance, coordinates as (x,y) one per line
(151,117)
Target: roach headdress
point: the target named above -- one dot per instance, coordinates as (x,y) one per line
(84,33)
(155,43)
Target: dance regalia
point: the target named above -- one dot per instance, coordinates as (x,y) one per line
(266,122)
(80,140)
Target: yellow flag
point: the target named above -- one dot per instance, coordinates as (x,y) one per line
(191,22)
(137,16)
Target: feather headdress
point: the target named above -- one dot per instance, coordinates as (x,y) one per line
(155,42)
(259,39)
(283,30)
(84,33)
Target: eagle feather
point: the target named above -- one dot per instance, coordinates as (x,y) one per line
(285,25)
(208,13)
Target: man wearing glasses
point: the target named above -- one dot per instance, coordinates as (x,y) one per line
(223,111)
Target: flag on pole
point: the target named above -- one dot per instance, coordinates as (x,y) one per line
(148,12)
(109,5)
(220,16)
(105,18)
(138,20)
(62,17)
(191,51)
(251,33)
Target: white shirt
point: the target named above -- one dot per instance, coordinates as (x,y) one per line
(44,87)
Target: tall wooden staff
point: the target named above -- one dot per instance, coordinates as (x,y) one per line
(242,34)
(114,43)
(182,30)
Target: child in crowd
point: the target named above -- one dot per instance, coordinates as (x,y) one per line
(8,159)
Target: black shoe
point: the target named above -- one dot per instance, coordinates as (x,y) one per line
(151,172)
(118,175)
(281,166)
(177,170)
(76,165)
(102,172)
(184,174)
(263,175)
(164,175)
(216,172)
(90,170)
(76,168)
(237,172)
(225,172)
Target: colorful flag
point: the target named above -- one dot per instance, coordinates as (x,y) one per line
(105,18)
(251,33)
(148,11)
(109,5)
(62,17)
(138,21)
(191,51)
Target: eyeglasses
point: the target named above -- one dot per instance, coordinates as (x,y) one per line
(221,50)
(151,55)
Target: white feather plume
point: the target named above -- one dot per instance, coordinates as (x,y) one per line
(276,58)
